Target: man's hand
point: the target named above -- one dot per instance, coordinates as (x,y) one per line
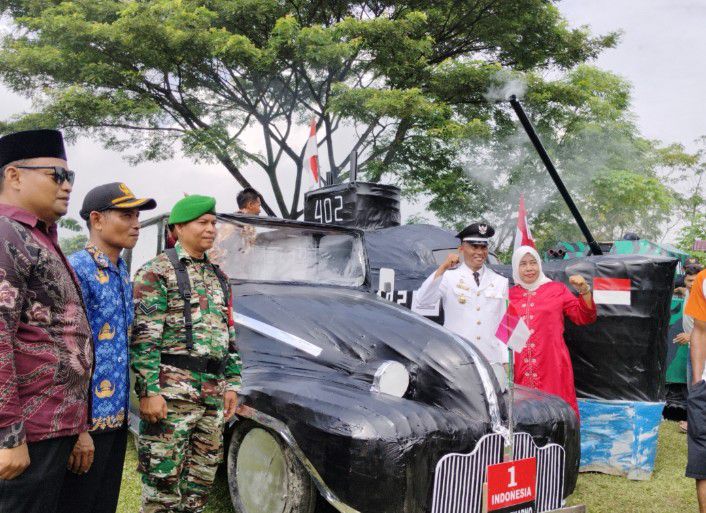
(81,457)
(578,282)
(13,461)
(452,260)
(682,339)
(230,402)
(153,409)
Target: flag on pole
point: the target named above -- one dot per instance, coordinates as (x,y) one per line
(311,154)
(512,330)
(523,235)
(611,291)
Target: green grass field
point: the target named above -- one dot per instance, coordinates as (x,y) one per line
(668,491)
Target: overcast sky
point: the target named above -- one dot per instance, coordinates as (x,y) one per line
(661,53)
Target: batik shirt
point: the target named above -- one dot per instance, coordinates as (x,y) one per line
(108,296)
(159,328)
(45,340)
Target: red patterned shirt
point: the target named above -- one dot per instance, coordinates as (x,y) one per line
(46,352)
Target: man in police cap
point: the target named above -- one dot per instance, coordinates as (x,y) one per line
(474,297)
(187,369)
(46,355)
(111,212)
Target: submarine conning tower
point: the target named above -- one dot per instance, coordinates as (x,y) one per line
(363,205)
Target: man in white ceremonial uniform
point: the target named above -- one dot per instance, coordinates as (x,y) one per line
(474,296)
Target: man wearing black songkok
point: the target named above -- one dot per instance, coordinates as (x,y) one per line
(46,352)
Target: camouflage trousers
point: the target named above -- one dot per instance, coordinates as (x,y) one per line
(179,456)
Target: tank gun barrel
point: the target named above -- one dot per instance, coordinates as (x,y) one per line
(532,134)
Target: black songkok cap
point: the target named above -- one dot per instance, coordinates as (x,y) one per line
(31,144)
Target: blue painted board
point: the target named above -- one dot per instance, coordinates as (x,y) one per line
(619,437)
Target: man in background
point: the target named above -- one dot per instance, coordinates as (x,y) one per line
(249,202)
(232,238)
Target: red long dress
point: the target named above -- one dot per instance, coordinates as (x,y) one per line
(544,363)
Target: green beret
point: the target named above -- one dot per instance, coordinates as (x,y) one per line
(192,207)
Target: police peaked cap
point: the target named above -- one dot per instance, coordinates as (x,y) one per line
(31,144)
(114,195)
(476,233)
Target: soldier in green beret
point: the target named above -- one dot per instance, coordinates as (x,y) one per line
(187,369)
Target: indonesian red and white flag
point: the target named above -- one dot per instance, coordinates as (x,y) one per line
(523,235)
(512,330)
(611,291)
(311,154)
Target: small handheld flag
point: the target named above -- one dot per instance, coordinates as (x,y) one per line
(512,330)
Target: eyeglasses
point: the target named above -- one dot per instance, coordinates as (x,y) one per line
(59,174)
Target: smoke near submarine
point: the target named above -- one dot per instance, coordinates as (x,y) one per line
(505,84)
(506,165)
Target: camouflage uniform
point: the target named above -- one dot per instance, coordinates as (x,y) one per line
(179,455)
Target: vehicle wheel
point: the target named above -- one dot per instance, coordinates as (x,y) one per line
(264,476)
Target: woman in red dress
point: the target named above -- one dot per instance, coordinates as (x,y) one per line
(544,363)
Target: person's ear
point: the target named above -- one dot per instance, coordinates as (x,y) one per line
(12,178)
(96,219)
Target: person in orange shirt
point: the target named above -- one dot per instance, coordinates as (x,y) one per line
(696,402)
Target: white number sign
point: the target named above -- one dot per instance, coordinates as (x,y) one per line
(325,211)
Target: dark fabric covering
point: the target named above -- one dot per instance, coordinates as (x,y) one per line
(363,441)
(675,407)
(409,250)
(31,144)
(549,418)
(362,205)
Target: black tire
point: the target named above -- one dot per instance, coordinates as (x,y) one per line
(264,475)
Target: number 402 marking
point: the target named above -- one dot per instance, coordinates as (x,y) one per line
(324,211)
